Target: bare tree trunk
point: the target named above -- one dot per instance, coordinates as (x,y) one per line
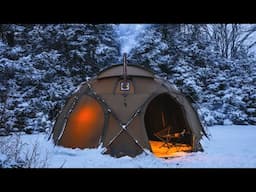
(230,38)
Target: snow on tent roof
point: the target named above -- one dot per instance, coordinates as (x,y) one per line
(132,70)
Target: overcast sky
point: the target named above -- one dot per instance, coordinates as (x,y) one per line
(127,34)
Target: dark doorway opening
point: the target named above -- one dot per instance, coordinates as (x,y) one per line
(165,124)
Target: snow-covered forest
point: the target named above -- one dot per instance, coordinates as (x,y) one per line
(41,64)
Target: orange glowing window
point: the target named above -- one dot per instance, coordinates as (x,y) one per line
(85,124)
(87,115)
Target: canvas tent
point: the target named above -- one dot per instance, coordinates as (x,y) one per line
(127,114)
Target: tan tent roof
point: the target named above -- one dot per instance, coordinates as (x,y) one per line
(132,70)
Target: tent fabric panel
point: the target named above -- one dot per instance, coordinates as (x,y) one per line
(111,86)
(193,119)
(66,110)
(124,107)
(131,71)
(138,132)
(104,86)
(85,125)
(166,85)
(57,129)
(82,88)
(124,145)
(145,85)
(112,129)
(140,85)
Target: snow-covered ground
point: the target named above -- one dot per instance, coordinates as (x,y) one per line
(228,147)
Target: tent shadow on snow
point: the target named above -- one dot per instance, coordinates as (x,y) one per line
(127,110)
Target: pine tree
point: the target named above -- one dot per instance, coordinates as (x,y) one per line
(43,64)
(186,55)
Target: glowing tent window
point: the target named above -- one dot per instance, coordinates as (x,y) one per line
(85,124)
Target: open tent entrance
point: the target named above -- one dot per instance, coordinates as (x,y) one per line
(166,127)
